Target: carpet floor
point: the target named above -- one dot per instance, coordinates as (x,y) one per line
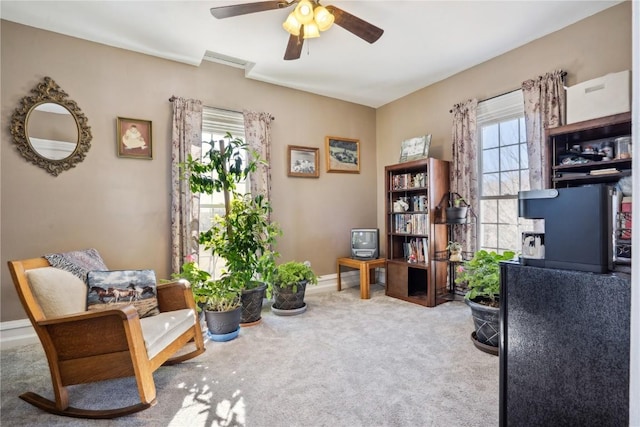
(344,362)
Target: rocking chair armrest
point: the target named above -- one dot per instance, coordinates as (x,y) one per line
(125,313)
(94,333)
(175,296)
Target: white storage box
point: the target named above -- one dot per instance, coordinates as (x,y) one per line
(604,96)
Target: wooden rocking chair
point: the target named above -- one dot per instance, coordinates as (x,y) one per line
(88,346)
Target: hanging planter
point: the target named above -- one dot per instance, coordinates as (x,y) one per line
(456,212)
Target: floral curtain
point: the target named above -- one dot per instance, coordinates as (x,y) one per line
(544,106)
(464,168)
(258,137)
(186,139)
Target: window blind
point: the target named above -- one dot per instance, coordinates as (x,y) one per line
(218,121)
(501,107)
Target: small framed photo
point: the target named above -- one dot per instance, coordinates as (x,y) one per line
(134,138)
(303,161)
(415,148)
(343,154)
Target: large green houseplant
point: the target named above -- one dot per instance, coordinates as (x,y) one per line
(289,284)
(244,236)
(481,275)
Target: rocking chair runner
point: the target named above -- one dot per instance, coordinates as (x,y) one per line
(87,346)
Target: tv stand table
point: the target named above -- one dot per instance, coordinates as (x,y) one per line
(365,266)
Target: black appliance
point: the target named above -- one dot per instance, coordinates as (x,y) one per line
(577,227)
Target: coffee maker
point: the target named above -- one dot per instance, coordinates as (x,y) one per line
(577,228)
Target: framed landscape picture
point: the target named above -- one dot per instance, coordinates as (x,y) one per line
(134,138)
(415,148)
(342,154)
(303,161)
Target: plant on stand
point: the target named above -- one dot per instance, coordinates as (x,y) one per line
(481,275)
(244,236)
(289,284)
(456,212)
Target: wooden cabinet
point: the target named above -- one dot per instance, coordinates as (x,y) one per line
(570,143)
(413,233)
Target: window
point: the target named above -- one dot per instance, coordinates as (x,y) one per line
(503,171)
(215,125)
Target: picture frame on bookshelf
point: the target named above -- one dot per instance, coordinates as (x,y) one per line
(415,148)
(303,161)
(342,154)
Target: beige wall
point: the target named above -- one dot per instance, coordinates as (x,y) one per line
(121,205)
(590,48)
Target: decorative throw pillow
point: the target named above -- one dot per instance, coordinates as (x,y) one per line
(116,288)
(77,262)
(57,291)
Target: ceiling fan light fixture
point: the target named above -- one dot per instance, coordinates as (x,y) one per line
(311,31)
(323,18)
(292,25)
(304,12)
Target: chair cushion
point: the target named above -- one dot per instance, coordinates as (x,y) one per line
(78,262)
(161,330)
(58,292)
(116,288)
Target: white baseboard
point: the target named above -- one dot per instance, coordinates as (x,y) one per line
(349,279)
(15,333)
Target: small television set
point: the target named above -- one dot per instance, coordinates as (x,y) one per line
(365,243)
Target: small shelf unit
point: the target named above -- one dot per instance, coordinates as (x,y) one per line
(562,139)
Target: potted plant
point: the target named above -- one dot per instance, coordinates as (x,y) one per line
(217,300)
(197,277)
(456,212)
(244,236)
(289,284)
(481,275)
(222,307)
(455,251)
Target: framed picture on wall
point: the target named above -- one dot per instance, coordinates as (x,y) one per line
(342,154)
(415,148)
(303,161)
(134,138)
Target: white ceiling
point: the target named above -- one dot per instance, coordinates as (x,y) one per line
(424,41)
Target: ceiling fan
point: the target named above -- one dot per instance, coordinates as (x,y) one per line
(306,21)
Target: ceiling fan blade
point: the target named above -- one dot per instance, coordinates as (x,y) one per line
(222,12)
(294,47)
(357,26)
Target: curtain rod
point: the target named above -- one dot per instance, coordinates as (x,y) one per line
(173,98)
(564,73)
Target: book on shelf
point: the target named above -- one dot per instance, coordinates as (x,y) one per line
(417,249)
(414,223)
(604,171)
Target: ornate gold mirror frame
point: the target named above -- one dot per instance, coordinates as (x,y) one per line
(48,92)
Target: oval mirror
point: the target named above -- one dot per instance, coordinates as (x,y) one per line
(49,129)
(52,131)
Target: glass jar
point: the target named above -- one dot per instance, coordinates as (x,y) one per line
(623,147)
